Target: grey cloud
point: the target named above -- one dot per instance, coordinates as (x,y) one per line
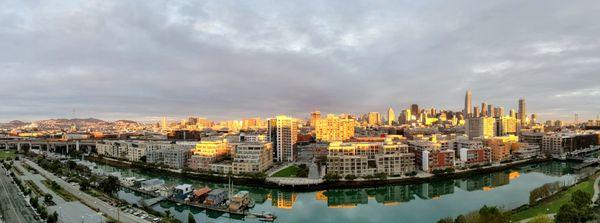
(235,59)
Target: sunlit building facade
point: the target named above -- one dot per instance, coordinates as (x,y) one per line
(333,128)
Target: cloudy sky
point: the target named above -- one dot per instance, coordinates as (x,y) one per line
(140,60)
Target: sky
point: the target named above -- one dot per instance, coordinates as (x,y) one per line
(141,60)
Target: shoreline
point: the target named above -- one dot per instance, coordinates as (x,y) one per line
(314,187)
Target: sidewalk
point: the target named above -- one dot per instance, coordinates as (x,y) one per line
(596,190)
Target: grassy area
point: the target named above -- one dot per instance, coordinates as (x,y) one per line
(290,171)
(36,190)
(17,171)
(7,154)
(60,191)
(553,204)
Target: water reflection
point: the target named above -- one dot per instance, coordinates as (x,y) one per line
(275,201)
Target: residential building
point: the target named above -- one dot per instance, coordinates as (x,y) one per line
(353,158)
(430,156)
(173,156)
(560,143)
(480,127)
(283,132)
(527,151)
(506,125)
(333,128)
(253,157)
(207,152)
(501,147)
(374,119)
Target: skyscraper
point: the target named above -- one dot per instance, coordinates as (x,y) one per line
(163,123)
(283,132)
(484,109)
(374,118)
(475,112)
(522,111)
(391,116)
(467,110)
(414,109)
(314,116)
(491,111)
(512,113)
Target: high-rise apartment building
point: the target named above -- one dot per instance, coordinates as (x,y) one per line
(283,132)
(314,116)
(506,126)
(484,110)
(334,128)
(522,112)
(391,116)
(414,109)
(480,127)
(374,118)
(467,110)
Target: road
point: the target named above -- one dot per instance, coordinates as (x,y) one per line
(14,207)
(89,200)
(73,211)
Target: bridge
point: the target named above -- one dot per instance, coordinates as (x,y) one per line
(49,145)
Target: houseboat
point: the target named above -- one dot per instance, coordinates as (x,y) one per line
(181,192)
(216,197)
(199,195)
(239,201)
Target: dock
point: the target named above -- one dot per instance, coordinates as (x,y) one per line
(157,198)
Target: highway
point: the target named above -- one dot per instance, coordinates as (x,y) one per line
(89,200)
(13,205)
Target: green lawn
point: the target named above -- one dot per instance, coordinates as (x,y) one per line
(7,154)
(553,204)
(290,171)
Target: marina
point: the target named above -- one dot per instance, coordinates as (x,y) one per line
(508,189)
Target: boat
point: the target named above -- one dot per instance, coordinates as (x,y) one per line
(267,219)
(251,204)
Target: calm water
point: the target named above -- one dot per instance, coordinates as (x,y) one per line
(407,203)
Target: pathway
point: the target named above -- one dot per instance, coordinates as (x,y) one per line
(68,211)
(89,200)
(596,190)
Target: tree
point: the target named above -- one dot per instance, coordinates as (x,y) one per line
(143,159)
(445,220)
(381,176)
(460,219)
(576,210)
(332,177)
(492,215)
(350,177)
(84,185)
(33,201)
(71,164)
(109,184)
(581,199)
(191,218)
(47,198)
(53,218)
(567,213)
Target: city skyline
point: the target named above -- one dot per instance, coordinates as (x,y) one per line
(229,61)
